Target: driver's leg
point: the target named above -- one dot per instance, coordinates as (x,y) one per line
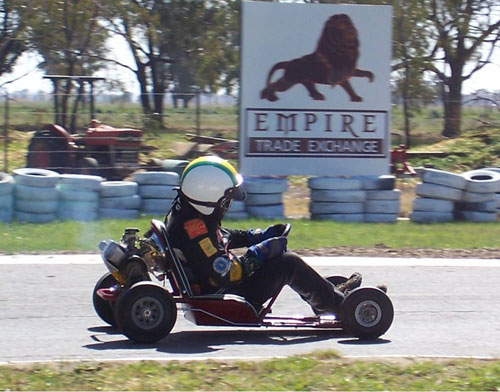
(290,269)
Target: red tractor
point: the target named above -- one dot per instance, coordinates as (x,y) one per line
(110,152)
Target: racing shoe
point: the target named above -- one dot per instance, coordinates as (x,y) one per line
(382,287)
(353,282)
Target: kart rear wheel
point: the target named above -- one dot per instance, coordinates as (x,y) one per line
(367,313)
(103,308)
(146,312)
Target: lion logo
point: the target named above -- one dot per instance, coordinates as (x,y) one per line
(333,63)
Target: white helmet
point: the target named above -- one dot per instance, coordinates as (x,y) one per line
(210,183)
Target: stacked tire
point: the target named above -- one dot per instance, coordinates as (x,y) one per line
(157,191)
(6,197)
(265,197)
(437,195)
(119,200)
(237,211)
(383,201)
(338,199)
(36,198)
(79,197)
(479,201)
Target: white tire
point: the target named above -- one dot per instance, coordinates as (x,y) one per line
(339,217)
(123,202)
(444,178)
(334,183)
(338,196)
(265,185)
(267,212)
(431,217)
(485,206)
(6,208)
(382,206)
(474,197)
(114,213)
(482,181)
(80,182)
(156,205)
(384,182)
(380,218)
(119,188)
(83,216)
(336,208)
(157,192)
(477,216)
(27,192)
(394,194)
(435,191)
(263,199)
(36,206)
(76,206)
(432,205)
(36,177)
(30,217)
(236,215)
(7,201)
(82,195)
(6,184)
(156,178)
(237,206)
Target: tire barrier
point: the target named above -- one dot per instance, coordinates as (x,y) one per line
(36,198)
(79,197)
(383,202)
(335,198)
(6,197)
(157,191)
(445,197)
(264,198)
(237,211)
(119,200)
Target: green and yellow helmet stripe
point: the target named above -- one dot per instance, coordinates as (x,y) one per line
(214,161)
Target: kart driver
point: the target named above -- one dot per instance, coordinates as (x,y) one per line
(207,187)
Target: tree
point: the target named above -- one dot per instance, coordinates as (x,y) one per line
(69,36)
(409,45)
(15,16)
(462,37)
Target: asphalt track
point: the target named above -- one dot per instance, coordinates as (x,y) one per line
(443,308)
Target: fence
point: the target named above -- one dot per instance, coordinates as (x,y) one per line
(24,115)
(205,115)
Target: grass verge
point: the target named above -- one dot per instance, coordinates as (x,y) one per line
(306,234)
(318,371)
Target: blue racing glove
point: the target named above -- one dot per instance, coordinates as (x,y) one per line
(256,236)
(257,254)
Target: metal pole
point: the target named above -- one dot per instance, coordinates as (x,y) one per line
(6,135)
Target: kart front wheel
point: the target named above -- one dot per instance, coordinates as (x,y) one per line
(103,308)
(367,312)
(146,312)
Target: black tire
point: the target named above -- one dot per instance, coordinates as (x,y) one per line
(104,309)
(367,313)
(146,312)
(336,279)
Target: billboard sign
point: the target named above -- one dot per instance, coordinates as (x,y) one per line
(315,89)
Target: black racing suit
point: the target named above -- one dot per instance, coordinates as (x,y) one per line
(258,275)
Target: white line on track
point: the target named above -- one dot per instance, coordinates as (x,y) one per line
(20,259)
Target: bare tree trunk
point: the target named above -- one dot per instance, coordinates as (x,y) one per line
(453,109)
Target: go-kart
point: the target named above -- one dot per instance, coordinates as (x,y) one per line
(146,311)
